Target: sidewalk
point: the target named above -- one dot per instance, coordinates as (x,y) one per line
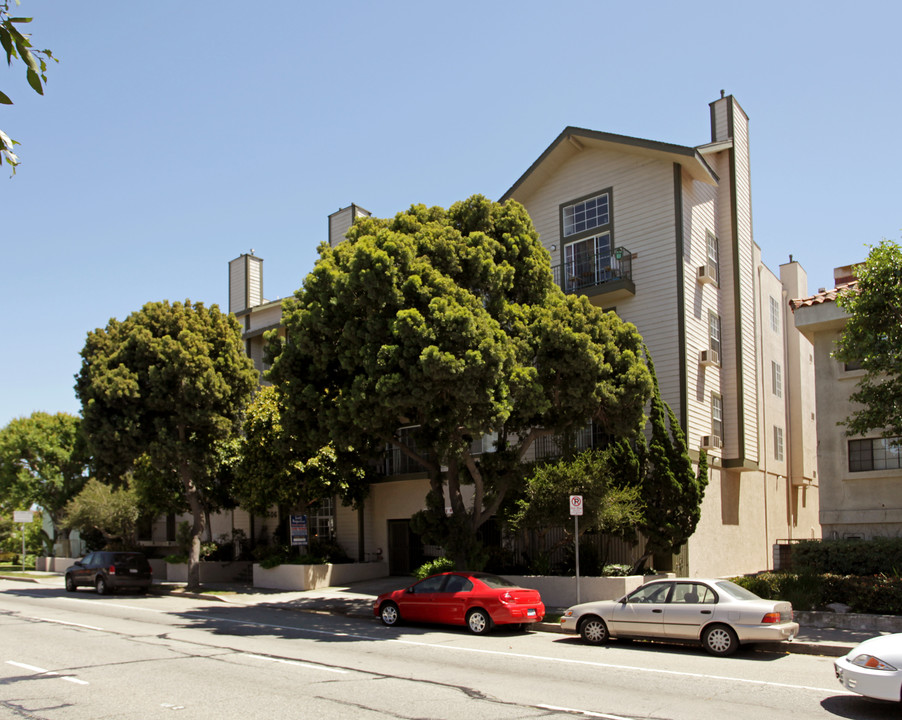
(356,600)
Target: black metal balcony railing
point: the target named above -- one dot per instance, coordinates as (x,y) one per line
(582,273)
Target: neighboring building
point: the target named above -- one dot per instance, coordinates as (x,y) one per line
(861,477)
(662,234)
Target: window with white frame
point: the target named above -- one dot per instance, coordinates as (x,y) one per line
(778,443)
(776,374)
(593,212)
(717,415)
(774,314)
(714,332)
(321,519)
(875,454)
(713,256)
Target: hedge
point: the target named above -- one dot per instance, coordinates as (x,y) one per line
(879,594)
(848,557)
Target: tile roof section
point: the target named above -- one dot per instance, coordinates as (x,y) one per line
(823,296)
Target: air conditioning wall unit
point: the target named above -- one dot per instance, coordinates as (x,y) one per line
(706,274)
(708,357)
(711,442)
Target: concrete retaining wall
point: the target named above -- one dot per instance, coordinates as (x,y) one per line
(560,592)
(311,577)
(210,572)
(849,621)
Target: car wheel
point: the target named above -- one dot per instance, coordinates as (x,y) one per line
(70,583)
(100,584)
(720,640)
(593,630)
(478,621)
(389,614)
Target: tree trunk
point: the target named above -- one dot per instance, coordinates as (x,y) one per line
(197,531)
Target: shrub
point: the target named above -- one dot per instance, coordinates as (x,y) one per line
(433,567)
(849,557)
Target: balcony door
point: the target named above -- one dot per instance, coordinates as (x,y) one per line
(587,262)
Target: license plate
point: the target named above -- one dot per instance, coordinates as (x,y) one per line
(531,612)
(133,570)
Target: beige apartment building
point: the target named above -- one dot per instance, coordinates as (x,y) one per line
(662,234)
(861,477)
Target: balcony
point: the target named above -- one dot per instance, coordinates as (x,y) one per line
(602,278)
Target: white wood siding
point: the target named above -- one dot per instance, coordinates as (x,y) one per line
(699,218)
(643,217)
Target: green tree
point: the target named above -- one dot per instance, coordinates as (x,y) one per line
(610,505)
(167,387)
(872,336)
(448,322)
(111,511)
(671,491)
(272,469)
(43,461)
(17,46)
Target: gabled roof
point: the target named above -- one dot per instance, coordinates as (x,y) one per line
(572,140)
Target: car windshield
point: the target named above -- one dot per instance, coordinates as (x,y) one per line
(735,591)
(493,581)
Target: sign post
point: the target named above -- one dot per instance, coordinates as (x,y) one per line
(576,509)
(23,516)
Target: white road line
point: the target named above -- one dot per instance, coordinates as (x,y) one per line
(28,667)
(117,605)
(309,666)
(540,658)
(49,673)
(587,713)
(75,680)
(63,622)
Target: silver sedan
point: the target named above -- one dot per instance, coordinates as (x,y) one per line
(718,613)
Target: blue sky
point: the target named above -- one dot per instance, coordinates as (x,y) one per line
(174,137)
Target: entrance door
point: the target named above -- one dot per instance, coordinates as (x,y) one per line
(405,551)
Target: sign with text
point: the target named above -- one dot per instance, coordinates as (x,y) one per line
(298,529)
(23,516)
(576,504)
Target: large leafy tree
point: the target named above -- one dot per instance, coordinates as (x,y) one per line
(17,46)
(671,490)
(873,337)
(447,321)
(275,469)
(111,511)
(162,391)
(43,461)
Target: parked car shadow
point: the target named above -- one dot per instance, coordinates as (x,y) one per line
(860,708)
(745,652)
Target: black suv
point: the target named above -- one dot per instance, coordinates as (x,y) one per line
(108,571)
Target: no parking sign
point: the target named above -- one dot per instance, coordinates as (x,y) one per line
(576,504)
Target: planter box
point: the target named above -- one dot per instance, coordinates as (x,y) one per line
(210,572)
(54,564)
(312,577)
(560,592)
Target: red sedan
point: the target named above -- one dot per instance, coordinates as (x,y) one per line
(475,599)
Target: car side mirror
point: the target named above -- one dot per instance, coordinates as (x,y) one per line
(79,563)
(411,590)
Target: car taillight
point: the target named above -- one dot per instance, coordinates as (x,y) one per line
(506,597)
(112,570)
(770,618)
